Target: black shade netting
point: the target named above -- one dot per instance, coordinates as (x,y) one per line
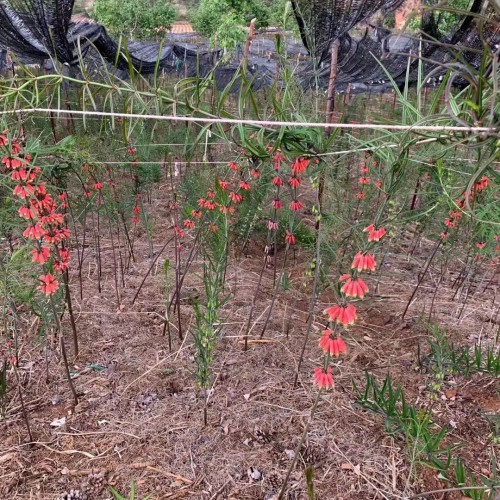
(39,30)
(323,21)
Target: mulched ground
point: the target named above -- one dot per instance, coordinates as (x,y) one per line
(140,413)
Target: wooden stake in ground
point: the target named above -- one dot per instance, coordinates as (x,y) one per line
(330,108)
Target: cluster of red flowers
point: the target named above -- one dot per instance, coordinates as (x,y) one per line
(452,221)
(294,181)
(226,196)
(46,226)
(365,180)
(92,185)
(137,209)
(344,314)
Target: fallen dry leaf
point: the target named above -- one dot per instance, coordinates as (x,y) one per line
(451,393)
(355,468)
(7,457)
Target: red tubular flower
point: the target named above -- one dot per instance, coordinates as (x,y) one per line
(19,175)
(27,213)
(379,183)
(98,185)
(299,165)
(40,256)
(354,287)
(289,238)
(211,205)
(278,159)
(23,191)
(296,205)
(201,202)
(223,184)
(189,224)
(64,254)
(272,225)
(245,185)
(277,204)
(210,194)
(49,284)
(34,232)
(294,182)
(233,166)
(374,234)
(137,209)
(255,173)
(278,181)
(54,219)
(56,235)
(131,150)
(135,219)
(364,262)
(445,235)
(364,169)
(196,214)
(213,227)
(236,197)
(450,223)
(226,210)
(11,163)
(60,266)
(364,180)
(179,232)
(360,196)
(332,344)
(480,245)
(482,184)
(322,379)
(345,315)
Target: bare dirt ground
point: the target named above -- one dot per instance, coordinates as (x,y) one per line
(140,414)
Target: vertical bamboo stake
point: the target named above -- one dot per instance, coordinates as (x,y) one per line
(330,107)
(251,31)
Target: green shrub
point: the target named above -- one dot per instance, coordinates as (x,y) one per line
(230,28)
(134,18)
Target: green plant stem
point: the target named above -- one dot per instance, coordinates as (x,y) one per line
(23,407)
(254,300)
(69,304)
(63,349)
(275,293)
(299,446)
(312,304)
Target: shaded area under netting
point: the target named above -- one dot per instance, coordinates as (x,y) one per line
(41,31)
